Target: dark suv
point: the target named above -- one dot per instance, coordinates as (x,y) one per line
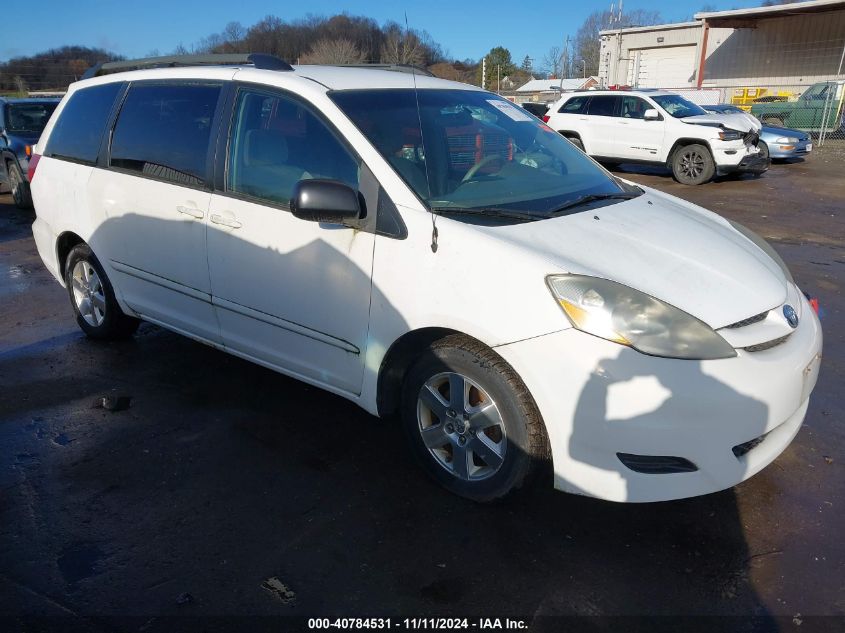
(21,123)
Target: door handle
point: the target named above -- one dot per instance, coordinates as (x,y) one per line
(232,223)
(194,213)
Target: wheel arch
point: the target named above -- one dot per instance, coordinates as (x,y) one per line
(683,142)
(64,244)
(398,359)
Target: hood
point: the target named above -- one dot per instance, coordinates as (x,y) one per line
(665,247)
(740,122)
(775,132)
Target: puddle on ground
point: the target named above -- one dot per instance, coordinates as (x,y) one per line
(80,561)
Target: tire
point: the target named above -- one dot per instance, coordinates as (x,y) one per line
(693,165)
(504,447)
(92,298)
(575,141)
(764,149)
(19,187)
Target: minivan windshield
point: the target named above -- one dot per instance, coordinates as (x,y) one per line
(28,117)
(677,106)
(474,151)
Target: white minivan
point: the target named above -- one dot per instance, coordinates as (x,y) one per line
(436,255)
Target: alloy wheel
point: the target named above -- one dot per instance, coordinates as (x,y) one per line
(461,426)
(88,293)
(692,164)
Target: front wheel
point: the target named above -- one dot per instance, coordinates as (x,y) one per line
(19,187)
(92,297)
(471,422)
(693,165)
(764,150)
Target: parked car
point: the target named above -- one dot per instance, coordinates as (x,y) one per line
(536,108)
(775,142)
(515,306)
(661,128)
(820,105)
(21,123)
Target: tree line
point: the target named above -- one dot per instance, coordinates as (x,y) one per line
(343,39)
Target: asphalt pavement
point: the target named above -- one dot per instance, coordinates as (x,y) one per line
(225,489)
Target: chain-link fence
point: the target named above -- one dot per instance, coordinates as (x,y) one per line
(818,108)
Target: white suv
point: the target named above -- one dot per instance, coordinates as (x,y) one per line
(650,126)
(434,254)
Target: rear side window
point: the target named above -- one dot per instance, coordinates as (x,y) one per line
(78,132)
(163,131)
(603,105)
(576,105)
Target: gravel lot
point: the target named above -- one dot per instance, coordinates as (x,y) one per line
(222,476)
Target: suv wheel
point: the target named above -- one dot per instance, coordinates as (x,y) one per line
(576,142)
(693,165)
(471,422)
(19,187)
(92,297)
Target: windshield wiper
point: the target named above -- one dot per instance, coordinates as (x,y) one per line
(489,212)
(593,197)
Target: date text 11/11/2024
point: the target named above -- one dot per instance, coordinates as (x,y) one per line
(432,624)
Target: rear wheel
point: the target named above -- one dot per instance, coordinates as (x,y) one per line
(576,142)
(19,187)
(471,422)
(92,297)
(693,165)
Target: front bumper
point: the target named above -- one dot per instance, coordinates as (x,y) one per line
(599,399)
(801,148)
(751,163)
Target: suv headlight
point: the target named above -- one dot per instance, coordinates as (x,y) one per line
(765,247)
(730,135)
(629,317)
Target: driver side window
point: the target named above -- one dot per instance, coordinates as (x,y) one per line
(276,142)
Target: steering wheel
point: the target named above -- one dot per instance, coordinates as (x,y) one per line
(474,169)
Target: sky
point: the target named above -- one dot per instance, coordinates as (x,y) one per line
(135,28)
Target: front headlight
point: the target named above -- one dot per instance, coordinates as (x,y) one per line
(623,315)
(765,247)
(730,135)
(786,139)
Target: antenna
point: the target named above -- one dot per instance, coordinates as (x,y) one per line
(422,142)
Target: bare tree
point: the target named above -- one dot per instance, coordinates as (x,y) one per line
(336,51)
(402,47)
(552,62)
(587,44)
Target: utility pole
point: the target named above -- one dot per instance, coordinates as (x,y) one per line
(564,52)
(484,73)
(498,78)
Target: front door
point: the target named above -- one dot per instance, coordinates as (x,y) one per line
(289,293)
(636,138)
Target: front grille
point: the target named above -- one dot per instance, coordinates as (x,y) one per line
(656,464)
(761,347)
(750,320)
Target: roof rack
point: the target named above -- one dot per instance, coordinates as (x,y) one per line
(258,60)
(400,68)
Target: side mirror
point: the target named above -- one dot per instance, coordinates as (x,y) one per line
(651,115)
(326,201)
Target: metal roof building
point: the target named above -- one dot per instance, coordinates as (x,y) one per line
(784,45)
